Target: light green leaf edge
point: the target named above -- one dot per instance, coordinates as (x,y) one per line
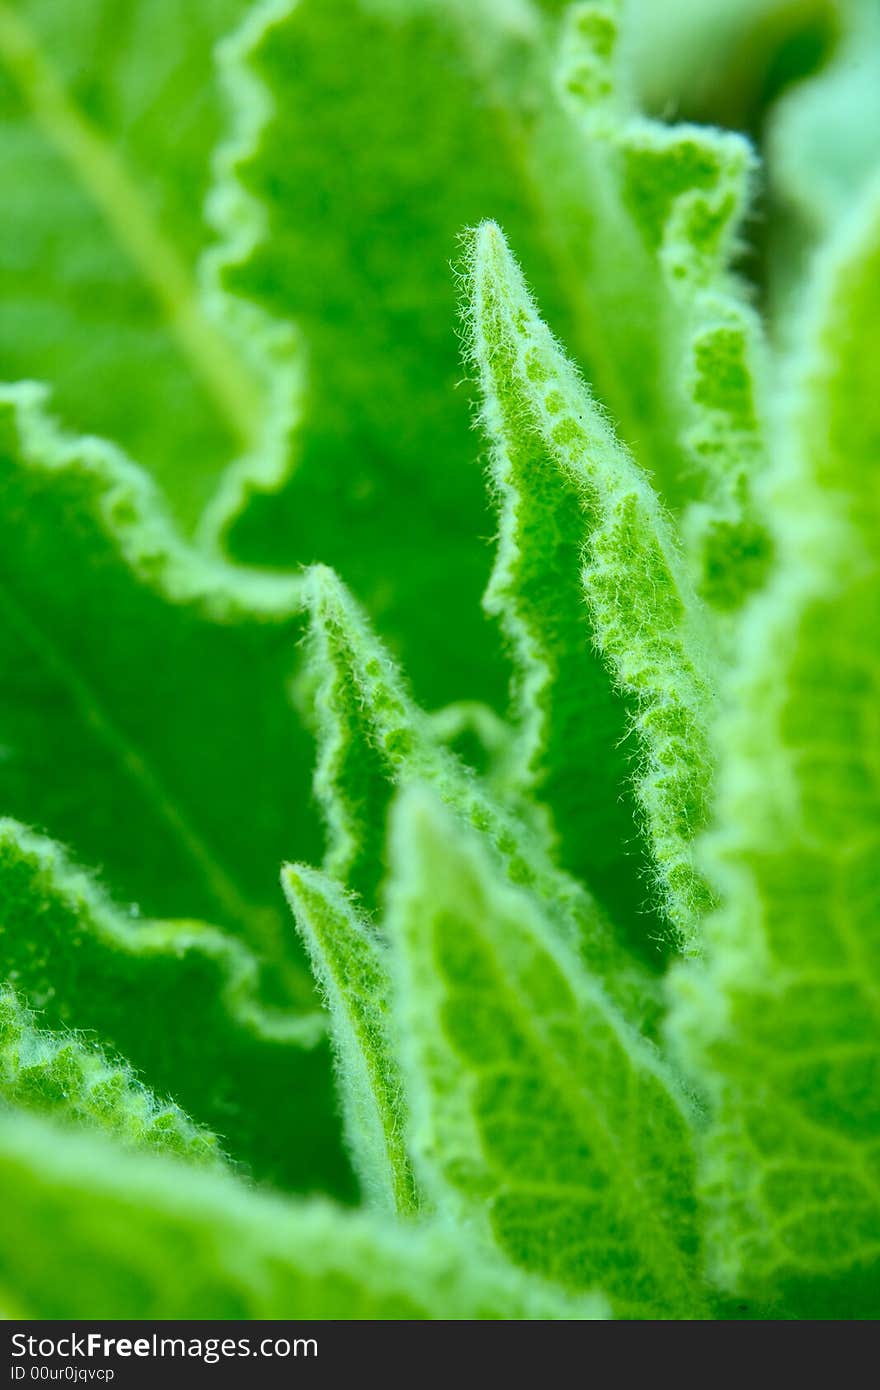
(122,1221)
(691,238)
(646,621)
(181,1003)
(687,189)
(371,736)
(70,1077)
(250,364)
(349,964)
(271,346)
(237,967)
(149,543)
(127,508)
(205,326)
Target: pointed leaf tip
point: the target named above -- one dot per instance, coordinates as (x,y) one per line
(350,969)
(580,520)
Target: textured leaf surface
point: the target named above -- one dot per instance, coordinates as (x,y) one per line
(537,1115)
(180,1003)
(781,1024)
(144,709)
(109,116)
(348,959)
(574,745)
(123,1223)
(237,264)
(574,499)
(68,1076)
(372,736)
(127,146)
(528,127)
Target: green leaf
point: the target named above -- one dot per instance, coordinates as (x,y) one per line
(780,1024)
(233,259)
(145,712)
(572,745)
(573,498)
(61,1073)
(349,963)
(539,1117)
(728,539)
(378,486)
(527,127)
(128,144)
(123,1223)
(687,189)
(180,1003)
(372,736)
(109,117)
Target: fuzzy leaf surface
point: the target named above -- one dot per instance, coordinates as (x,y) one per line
(64,1075)
(781,1023)
(594,594)
(530,126)
(181,1003)
(372,736)
(144,708)
(537,1115)
(348,958)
